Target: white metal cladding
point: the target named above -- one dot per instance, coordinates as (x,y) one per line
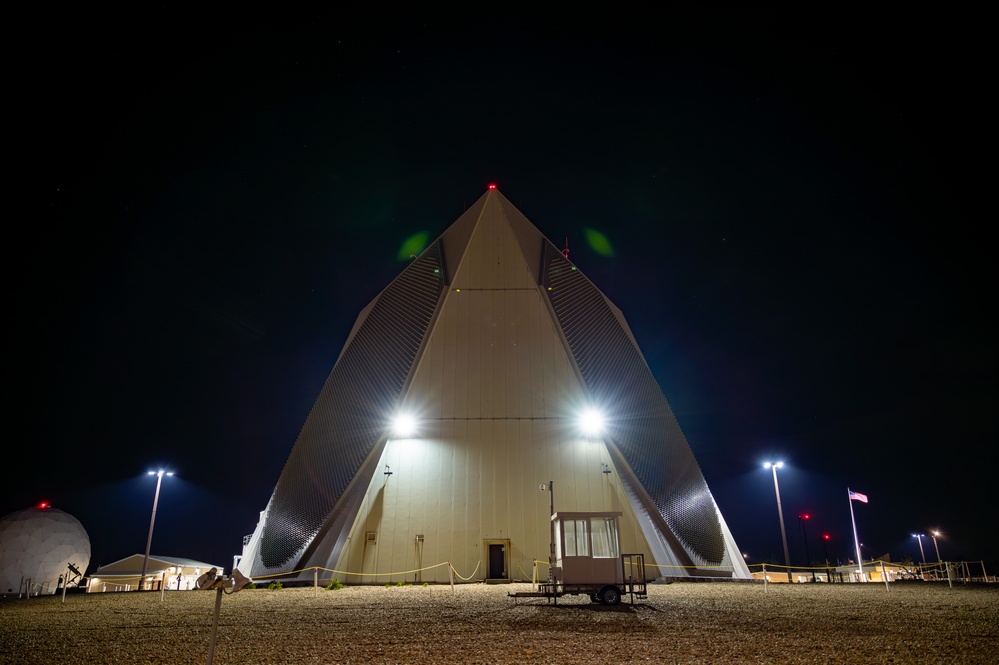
(644,428)
(349,417)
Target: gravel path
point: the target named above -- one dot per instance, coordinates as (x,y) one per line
(477,623)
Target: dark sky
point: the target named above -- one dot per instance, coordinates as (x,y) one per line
(796,207)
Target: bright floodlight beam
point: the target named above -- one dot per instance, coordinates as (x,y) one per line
(404,424)
(591,422)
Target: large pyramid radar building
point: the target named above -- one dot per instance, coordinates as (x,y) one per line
(494,344)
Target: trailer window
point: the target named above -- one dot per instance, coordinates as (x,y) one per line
(577,542)
(604,538)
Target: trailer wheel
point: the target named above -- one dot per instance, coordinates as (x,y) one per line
(595,598)
(609,595)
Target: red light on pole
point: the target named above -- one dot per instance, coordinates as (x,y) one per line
(492,185)
(44,504)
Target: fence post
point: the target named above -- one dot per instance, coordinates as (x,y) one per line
(450,573)
(766,580)
(315,580)
(884,574)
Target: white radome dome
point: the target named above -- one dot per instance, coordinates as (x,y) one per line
(39,544)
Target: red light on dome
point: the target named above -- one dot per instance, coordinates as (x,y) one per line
(492,185)
(44,504)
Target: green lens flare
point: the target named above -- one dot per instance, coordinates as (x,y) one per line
(413,245)
(599,242)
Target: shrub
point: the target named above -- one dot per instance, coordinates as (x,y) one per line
(275,586)
(334,584)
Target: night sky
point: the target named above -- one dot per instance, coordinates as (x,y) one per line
(794,208)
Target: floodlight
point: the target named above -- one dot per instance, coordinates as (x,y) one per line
(403,425)
(591,422)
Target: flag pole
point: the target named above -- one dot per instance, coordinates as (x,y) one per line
(856,541)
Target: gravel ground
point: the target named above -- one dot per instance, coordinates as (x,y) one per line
(477,623)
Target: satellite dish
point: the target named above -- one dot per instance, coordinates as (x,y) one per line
(542,487)
(239,581)
(207,580)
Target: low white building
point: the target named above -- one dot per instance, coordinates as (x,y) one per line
(173,573)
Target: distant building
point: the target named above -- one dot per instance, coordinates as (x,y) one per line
(494,344)
(176,573)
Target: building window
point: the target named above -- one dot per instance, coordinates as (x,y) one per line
(577,540)
(604,538)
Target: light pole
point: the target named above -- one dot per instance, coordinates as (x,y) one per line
(803,519)
(780,514)
(937,548)
(152,520)
(921,552)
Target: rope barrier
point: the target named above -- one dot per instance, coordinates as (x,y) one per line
(346,572)
(465,579)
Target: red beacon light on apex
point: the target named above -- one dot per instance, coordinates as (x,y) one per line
(44,504)
(492,185)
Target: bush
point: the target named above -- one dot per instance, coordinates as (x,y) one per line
(334,584)
(275,586)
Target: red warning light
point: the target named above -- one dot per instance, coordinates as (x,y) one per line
(44,504)
(492,185)
(826,536)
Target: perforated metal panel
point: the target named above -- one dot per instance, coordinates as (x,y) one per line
(351,413)
(644,427)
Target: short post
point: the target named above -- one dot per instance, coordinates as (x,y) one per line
(765,579)
(884,575)
(162,585)
(950,582)
(215,626)
(450,574)
(315,580)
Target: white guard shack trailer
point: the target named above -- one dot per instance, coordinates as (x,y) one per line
(588,560)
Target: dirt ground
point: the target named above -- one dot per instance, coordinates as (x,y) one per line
(477,623)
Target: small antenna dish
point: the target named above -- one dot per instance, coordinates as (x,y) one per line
(542,487)
(208,580)
(239,581)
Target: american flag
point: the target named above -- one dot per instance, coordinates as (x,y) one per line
(857,496)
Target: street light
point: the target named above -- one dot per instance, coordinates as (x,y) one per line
(149,541)
(780,514)
(921,552)
(934,537)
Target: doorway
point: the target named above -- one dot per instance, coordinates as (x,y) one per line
(497,559)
